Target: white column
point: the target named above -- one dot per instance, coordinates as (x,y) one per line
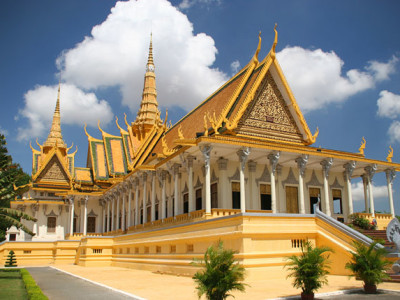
(390,176)
(108,214)
(85,202)
(192,205)
(129,204)
(144,198)
(163,194)
(370,172)
(153,196)
(136,201)
(252,166)
(273,162)
(123,196)
(206,150)
(118,212)
(103,223)
(113,213)
(72,212)
(176,189)
(326,166)
(366,197)
(278,190)
(35,209)
(223,182)
(349,168)
(301,165)
(243,155)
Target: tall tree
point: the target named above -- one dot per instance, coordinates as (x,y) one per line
(10,174)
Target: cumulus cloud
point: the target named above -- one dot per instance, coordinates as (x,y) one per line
(76,107)
(235,66)
(116,53)
(388,105)
(357,190)
(316,77)
(394,131)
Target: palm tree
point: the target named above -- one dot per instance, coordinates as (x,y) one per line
(309,269)
(13,217)
(369,264)
(221,273)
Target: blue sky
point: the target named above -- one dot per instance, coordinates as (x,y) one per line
(340,58)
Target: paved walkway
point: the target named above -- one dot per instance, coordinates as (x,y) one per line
(151,286)
(61,286)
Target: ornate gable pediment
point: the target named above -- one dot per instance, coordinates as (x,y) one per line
(53,172)
(268,115)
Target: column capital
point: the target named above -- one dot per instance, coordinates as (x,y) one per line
(301,163)
(370,171)
(206,150)
(175,168)
(71,200)
(349,168)
(190,159)
(222,164)
(326,166)
(243,155)
(252,165)
(390,175)
(273,160)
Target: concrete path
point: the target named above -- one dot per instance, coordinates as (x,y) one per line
(61,286)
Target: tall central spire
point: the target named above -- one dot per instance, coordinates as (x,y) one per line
(55,136)
(148,114)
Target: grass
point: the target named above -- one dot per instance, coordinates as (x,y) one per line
(18,284)
(12,285)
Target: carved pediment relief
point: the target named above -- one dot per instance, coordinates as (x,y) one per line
(53,172)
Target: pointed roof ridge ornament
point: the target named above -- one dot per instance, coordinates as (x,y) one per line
(150,60)
(98,125)
(255,57)
(87,134)
(55,136)
(273,49)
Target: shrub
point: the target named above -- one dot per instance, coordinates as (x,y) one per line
(221,273)
(33,290)
(361,222)
(368,263)
(11,260)
(309,269)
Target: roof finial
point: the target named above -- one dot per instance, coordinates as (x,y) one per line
(255,57)
(275,42)
(150,61)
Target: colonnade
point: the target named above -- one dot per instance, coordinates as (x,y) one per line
(120,210)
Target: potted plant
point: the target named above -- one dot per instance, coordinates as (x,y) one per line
(221,273)
(309,269)
(369,264)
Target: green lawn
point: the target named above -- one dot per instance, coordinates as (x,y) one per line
(11,285)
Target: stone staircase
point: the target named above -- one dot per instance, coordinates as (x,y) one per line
(389,246)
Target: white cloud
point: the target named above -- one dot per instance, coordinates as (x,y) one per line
(186,4)
(116,54)
(316,76)
(76,107)
(357,190)
(382,71)
(235,66)
(388,104)
(394,131)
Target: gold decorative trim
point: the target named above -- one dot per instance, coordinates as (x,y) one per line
(390,154)
(362,146)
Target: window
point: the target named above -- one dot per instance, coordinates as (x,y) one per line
(51,224)
(51,194)
(265,196)
(314,194)
(337,201)
(74,225)
(185,203)
(13,237)
(148,210)
(235,195)
(292,203)
(91,224)
(156,217)
(214,195)
(199,199)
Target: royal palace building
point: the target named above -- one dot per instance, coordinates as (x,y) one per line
(240,167)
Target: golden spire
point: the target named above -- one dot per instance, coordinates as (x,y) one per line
(148,115)
(55,137)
